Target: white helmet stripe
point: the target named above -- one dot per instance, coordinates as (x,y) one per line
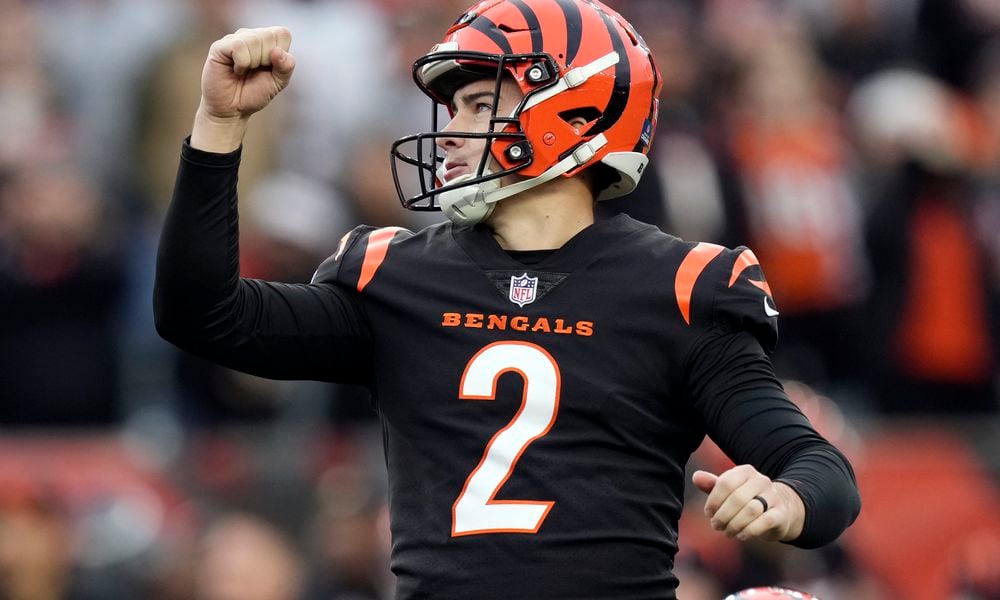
(573,78)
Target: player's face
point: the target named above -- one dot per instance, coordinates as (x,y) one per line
(472,107)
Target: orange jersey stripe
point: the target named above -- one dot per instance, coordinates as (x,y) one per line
(378,247)
(746,260)
(762,285)
(689,271)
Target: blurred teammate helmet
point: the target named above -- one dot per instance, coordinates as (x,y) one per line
(770,593)
(572,59)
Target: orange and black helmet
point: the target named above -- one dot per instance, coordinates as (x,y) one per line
(571,59)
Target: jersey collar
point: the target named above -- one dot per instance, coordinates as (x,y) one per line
(585,247)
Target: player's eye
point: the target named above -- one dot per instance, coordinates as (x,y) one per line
(483,107)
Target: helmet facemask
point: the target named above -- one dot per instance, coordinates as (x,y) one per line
(506,150)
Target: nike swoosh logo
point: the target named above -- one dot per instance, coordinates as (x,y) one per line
(768,309)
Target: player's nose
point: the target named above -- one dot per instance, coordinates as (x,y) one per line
(446,142)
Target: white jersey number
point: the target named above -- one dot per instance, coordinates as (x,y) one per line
(475,510)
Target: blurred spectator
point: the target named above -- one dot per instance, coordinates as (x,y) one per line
(973,564)
(112,514)
(243,557)
(932,347)
(952,36)
(933,327)
(25,92)
(368,185)
(690,183)
(691,190)
(60,280)
(350,537)
(698,584)
(97,87)
(986,178)
(35,549)
(856,38)
(803,216)
(293,225)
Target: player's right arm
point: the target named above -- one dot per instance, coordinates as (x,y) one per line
(201,303)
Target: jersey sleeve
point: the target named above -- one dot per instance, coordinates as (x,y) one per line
(719,289)
(732,385)
(202,305)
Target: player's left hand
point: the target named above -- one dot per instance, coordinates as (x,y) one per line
(734,510)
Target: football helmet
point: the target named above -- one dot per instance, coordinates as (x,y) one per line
(574,60)
(770,593)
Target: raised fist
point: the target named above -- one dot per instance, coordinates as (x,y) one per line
(244,71)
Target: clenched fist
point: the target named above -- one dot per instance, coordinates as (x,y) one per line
(734,509)
(244,71)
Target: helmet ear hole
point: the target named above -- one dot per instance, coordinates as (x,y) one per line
(587,114)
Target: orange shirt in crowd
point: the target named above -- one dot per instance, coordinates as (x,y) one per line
(804,219)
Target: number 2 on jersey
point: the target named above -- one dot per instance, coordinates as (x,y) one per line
(476,510)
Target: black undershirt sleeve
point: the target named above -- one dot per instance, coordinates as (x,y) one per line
(274,330)
(749,416)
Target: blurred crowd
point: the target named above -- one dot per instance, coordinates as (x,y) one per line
(854,145)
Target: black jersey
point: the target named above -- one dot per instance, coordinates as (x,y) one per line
(537,419)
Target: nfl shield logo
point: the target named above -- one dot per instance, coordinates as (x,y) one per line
(522,289)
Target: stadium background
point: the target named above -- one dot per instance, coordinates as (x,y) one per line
(853,144)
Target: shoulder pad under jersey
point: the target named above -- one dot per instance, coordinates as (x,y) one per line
(719,287)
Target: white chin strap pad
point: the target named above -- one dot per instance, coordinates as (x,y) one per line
(471,204)
(467,205)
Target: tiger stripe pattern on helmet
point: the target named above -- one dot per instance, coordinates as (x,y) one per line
(585,61)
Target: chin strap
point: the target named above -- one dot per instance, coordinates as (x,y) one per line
(581,155)
(470,205)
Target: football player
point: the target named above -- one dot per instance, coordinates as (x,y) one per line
(541,378)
